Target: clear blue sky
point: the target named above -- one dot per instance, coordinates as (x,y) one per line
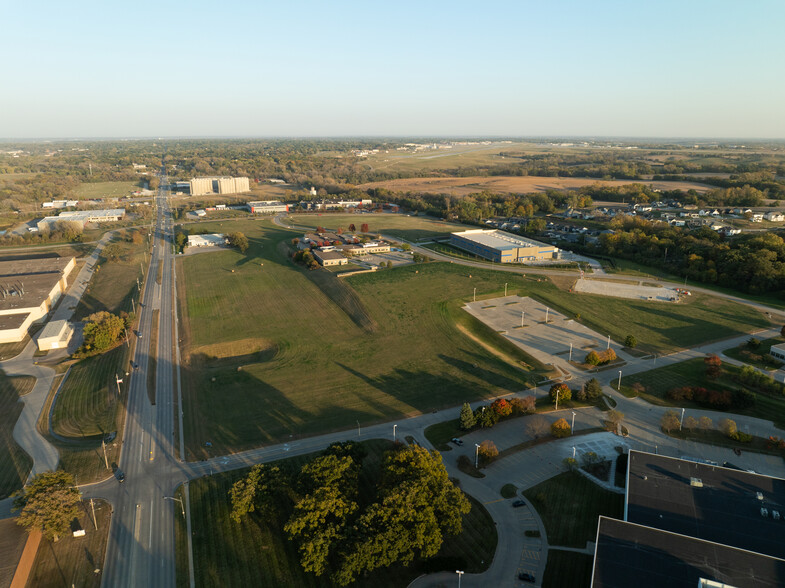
(692,68)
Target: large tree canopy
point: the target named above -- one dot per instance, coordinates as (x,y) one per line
(49,503)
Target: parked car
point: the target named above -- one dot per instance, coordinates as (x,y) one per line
(518,503)
(526,577)
(457,441)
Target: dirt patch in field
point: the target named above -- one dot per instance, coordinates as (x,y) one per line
(219,353)
(563,282)
(514,184)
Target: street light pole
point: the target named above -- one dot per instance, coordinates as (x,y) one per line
(573,451)
(609,342)
(570,351)
(681,421)
(476,455)
(460,573)
(358,428)
(619,386)
(572,428)
(182,508)
(505,289)
(394,427)
(475,295)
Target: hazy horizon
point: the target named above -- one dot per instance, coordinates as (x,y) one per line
(695,70)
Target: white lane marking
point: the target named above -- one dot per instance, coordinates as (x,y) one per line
(150,539)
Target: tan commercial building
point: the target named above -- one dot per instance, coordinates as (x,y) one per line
(81,217)
(328,258)
(503,247)
(55,335)
(366,248)
(218,185)
(29,288)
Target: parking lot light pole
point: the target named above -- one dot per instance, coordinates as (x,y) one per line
(460,573)
(570,351)
(505,289)
(573,451)
(681,420)
(572,428)
(618,389)
(394,427)
(180,500)
(476,456)
(475,295)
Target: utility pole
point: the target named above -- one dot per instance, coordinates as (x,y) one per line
(103,446)
(118,381)
(92,506)
(133,306)
(127,340)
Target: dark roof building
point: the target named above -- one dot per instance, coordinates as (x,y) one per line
(693,524)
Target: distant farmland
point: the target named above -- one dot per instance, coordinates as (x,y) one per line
(515,184)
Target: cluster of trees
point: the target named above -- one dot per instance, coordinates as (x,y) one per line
(720,399)
(487,416)
(344,534)
(49,503)
(591,392)
(749,376)
(600,357)
(751,262)
(103,330)
(671,421)
(238,240)
(306,258)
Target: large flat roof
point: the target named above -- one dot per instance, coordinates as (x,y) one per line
(500,240)
(633,555)
(26,283)
(725,507)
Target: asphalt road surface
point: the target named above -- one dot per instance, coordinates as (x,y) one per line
(141,547)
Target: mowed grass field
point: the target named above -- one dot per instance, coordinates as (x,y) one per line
(71,561)
(692,372)
(270,354)
(567,568)
(88,404)
(107,189)
(570,506)
(257,552)
(113,284)
(15,464)
(411,228)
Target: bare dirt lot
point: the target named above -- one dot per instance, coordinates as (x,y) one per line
(514,184)
(637,291)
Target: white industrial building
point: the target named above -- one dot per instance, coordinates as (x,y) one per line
(29,288)
(55,335)
(81,217)
(333,204)
(267,207)
(218,185)
(60,204)
(210,240)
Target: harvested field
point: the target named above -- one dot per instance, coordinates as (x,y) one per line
(514,184)
(412,228)
(12,543)
(106,189)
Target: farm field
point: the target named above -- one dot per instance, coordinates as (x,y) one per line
(258,553)
(515,184)
(692,372)
(411,228)
(275,350)
(113,284)
(15,464)
(72,561)
(570,506)
(87,405)
(12,542)
(107,189)
(272,351)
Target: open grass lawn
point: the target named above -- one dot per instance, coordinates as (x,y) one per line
(567,568)
(758,357)
(107,189)
(88,403)
(15,464)
(113,284)
(411,228)
(72,561)
(275,350)
(257,552)
(570,506)
(692,372)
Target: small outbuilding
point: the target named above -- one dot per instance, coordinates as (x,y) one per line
(210,240)
(778,351)
(328,258)
(55,335)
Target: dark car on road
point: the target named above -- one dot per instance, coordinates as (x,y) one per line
(457,441)
(518,503)
(120,475)
(526,577)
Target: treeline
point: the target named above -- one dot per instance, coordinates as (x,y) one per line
(751,262)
